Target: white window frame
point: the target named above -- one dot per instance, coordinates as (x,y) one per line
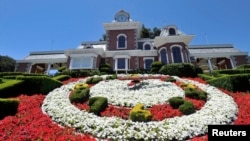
(117,41)
(83,57)
(147,58)
(147,43)
(172,55)
(166,54)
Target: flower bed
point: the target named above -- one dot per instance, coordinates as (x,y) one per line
(219,109)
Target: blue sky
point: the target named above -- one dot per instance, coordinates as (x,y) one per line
(43,25)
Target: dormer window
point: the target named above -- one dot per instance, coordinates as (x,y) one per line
(88,46)
(147,46)
(172,31)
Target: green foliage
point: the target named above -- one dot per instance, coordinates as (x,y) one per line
(62,68)
(205,77)
(61,77)
(244,66)
(237,82)
(8,106)
(97,104)
(138,113)
(181,70)
(150,33)
(11,88)
(7,64)
(106,68)
(111,77)
(231,71)
(79,95)
(38,84)
(2,74)
(155,67)
(94,80)
(1,80)
(187,108)
(195,93)
(175,102)
(170,79)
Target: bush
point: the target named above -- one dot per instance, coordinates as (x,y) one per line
(187,108)
(105,68)
(38,84)
(79,95)
(205,77)
(97,104)
(175,102)
(237,82)
(11,88)
(8,107)
(245,66)
(94,80)
(139,114)
(181,70)
(112,77)
(195,93)
(62,68)
(155,67)
(1,80)
(61,77)
(10,73)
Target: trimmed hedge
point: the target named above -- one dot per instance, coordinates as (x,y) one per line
(181,70)
(195,93)
(97,104)
(231,71)
(94,80)
(175,102)
(245,66)
(187,108)
(237,82)
(10,73)
(139,114)
(61,77)
(39,84)
(79,95)
(156,66)
(11,88)
(8,107)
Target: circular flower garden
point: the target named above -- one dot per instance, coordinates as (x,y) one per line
(219,108)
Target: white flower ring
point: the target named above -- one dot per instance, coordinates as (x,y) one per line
(219,109)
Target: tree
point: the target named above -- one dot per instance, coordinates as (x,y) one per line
(104,37)
(149,33)
(7,64)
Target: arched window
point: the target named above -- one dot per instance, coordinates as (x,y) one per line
(147,47)
(121,41)
(176,54)
(172,31)
(163,56)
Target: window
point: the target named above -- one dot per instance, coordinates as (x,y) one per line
(176,52)
(121,41)
(172,31)
(121,63)
(147,47)
(81,63)
(147,63)
(163,55)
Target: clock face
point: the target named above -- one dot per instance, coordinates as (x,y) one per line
(122,18)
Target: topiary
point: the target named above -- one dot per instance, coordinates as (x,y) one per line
(187,108)
(175,102)
(139,114)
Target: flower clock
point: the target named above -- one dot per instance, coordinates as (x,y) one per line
(219,108)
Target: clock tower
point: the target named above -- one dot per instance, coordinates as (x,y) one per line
(122,33)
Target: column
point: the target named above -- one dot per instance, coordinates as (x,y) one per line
(48,69)
(116,65)
(126,64)
(232,62)
(210,64)
(30,67)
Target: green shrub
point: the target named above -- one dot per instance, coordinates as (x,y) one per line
(195,93)
(139,114)
(237,82)
(95,80)
(156,66)
(170,79)
(8,107)
(79,95)
(97,104)
(62,68)
(187,108)
(181,70)
(205,77)
(10,73)
(11,88)
(105,68)
(61,77)
(111,77)
(231,71)
(38,84)
(175,102)
(244,66)
(1,80)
